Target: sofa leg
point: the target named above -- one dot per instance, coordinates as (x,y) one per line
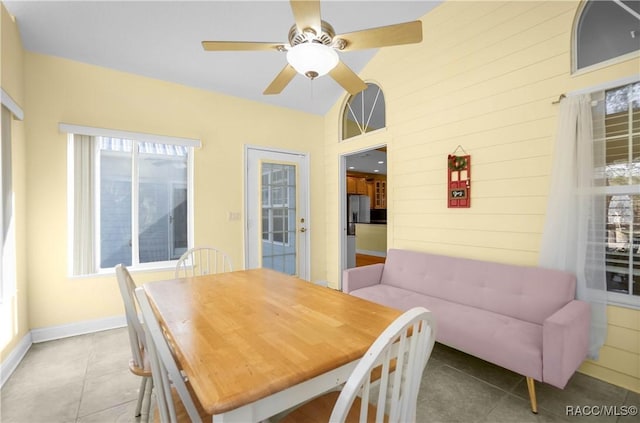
(532,395)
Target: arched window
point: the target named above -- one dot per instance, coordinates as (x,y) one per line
(364,112)
(605,30)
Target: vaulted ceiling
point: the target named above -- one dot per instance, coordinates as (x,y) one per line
(162,39)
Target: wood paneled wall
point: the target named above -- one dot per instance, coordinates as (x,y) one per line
(485,77)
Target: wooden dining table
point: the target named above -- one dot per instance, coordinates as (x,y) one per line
(254,343)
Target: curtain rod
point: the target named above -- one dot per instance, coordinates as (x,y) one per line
(631,79)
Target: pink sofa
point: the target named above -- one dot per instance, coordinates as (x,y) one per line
(525,319)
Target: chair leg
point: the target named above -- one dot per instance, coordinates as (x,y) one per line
(148,398)
(141,392)
(532,394)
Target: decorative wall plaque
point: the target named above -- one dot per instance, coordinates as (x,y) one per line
(459,180)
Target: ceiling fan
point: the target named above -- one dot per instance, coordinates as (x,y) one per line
(313,46)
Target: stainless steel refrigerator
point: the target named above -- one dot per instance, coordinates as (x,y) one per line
(359,209)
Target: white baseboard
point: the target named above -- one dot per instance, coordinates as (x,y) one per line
(372,253)
(9,365)
(77,328)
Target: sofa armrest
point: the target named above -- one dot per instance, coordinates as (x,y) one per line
(565,342)
(360,277)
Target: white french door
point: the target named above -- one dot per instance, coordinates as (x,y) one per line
(277,233)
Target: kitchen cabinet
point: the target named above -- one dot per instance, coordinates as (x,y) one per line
(379,194)
(372,185)
(361,186)
(356,185)
(371,190)
(351,185)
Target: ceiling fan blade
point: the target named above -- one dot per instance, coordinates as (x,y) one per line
(284,77)
(239,46)
(306,14)
(383,36)
(344,76)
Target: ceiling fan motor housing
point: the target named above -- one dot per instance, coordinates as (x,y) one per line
(310,35)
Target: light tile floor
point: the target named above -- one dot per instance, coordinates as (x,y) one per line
(85,379)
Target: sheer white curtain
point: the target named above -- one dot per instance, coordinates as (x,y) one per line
(573,237)
(83,205)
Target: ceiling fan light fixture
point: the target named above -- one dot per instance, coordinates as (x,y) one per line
(312,59)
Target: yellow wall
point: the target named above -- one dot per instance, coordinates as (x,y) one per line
(60,90)
(371,237)
(484,77)
(619,361)
(12,58)
(14,320)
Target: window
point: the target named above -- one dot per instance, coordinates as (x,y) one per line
(621,137)
(364,112)
(131,201)
(11,112)
(606,30)
(7,235)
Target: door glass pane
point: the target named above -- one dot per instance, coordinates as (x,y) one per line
(161,168)
(279,217)
(115,202)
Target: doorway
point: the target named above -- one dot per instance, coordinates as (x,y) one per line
(277,203)
(364,207)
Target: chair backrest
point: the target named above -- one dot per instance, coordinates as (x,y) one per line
(136,332)
(407,343)
(164,369)
(203,261)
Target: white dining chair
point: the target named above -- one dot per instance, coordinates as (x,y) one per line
(139,363)
(203,261)
(174,400)
(400,355)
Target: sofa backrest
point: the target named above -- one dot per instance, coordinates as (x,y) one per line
(523,292)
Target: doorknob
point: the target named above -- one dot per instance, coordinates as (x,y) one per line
(303,229)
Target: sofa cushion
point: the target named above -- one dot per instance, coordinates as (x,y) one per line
(508,342)
(527,293)
(384,294)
